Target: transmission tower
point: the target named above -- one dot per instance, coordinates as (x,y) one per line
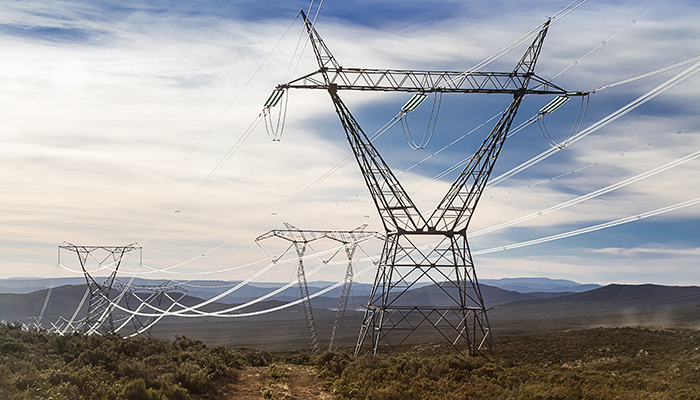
(419,249)
(300,239)
(99,315)
(147,296)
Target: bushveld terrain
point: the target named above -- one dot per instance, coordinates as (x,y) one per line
(601,363)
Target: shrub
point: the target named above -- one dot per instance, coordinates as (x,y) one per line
(331,366)
(276,373)
(192,377)
(136,390)
(11,345)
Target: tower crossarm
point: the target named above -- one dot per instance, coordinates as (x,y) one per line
(394,80)
(306,236)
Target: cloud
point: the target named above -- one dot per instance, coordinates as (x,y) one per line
(655,251)
(105,102)
(52,34)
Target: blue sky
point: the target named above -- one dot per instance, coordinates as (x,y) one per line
(101,101)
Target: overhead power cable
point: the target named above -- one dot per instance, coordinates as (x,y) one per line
(593,228)
(601,123)
(216,122)
(254,277)
(579,169)
(225,313)
(648,74)
(278,308)
(77,310)
(604,42)
(591,195)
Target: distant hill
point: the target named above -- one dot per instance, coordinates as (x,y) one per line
(511,313)
(205,289)
(209,288)
(432,295)
(64,301)
(507,305)
(611,299)
(534,285)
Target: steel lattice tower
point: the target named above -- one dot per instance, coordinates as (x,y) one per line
(433,249)
(147,296)
(300,239)
(99,316)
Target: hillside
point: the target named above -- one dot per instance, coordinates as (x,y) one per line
(64,299)
(612,299)
(210,288)
(533,285)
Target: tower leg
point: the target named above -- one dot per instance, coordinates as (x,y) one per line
(422,288)
(304,292)
(344,295)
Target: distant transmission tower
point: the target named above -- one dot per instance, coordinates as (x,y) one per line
(300,240)
(99,316)
(419,249)
(148,297)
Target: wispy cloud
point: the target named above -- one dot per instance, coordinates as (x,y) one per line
(53,34)
(103,102)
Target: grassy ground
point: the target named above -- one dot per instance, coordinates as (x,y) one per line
(600,363)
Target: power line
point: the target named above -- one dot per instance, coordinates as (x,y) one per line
(602,122)
(593,228)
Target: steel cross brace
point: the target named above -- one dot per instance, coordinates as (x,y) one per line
(409,254)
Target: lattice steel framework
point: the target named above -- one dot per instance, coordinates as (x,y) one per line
(300,240)
(99,315)
(456,308)
(147,296)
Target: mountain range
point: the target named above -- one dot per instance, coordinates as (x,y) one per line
(536,309)
(536,298)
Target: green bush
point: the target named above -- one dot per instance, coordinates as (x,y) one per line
(136,390)
(11,345)
(192,377)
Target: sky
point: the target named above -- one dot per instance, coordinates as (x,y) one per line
(127,121)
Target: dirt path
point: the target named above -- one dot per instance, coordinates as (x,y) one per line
(293,382)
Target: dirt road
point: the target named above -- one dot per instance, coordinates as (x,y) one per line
(280,382)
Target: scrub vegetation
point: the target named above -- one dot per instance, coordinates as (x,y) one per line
(598,363)
(40,365)
(601,363)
